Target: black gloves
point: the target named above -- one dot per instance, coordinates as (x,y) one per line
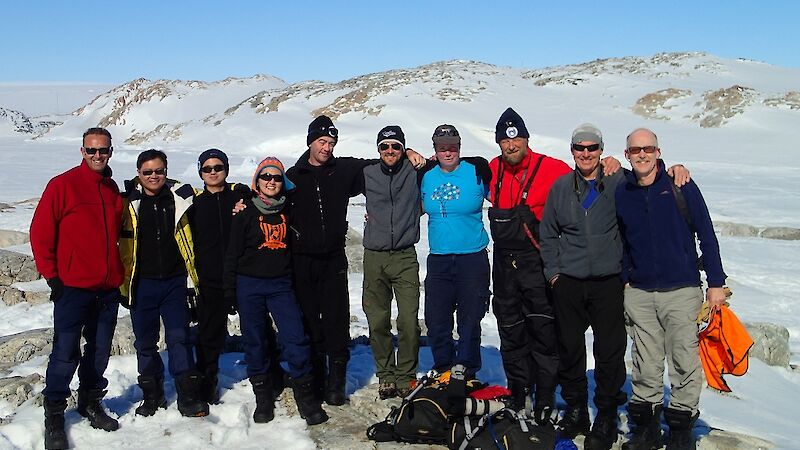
(56,288)
(483,173)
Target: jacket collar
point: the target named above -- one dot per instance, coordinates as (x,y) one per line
(303,164)
(630,175)
(84,168)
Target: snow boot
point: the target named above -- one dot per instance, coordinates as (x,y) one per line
(265,401)
(681,436)
(604,431)
(190,403)
(89,406)
(55,438)
(209,392)
(520,396)
(337,380)
(647,434)
(153,391)
(309,407)
(544,408)
(574,422)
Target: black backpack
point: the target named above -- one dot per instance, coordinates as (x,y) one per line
(503,430)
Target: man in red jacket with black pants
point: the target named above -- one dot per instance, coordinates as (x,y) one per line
(74,241)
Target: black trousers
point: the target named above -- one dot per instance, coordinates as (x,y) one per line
(212,328)
(320,283)
(525,322)
(597,303)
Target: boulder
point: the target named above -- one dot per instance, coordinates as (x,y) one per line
(354,249)
(18,390)
(15,267)
(11,237)
(783,233)
(11,295)
(770,343)
(726,440)
(20,347)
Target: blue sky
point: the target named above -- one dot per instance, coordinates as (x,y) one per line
(116,41)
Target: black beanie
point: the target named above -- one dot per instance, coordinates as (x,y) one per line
(511,126)
(212,153)
(391,133)
(321,126)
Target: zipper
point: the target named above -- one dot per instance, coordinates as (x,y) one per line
(321,214)
(158,235)
(105,229)
(391,214)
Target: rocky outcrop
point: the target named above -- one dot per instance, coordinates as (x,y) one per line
(654,104)
(16,267)
(18,348)
(11,237)
(725,440)
(722,104)
(354,250)
(789,100)
(24,124)
(770,343)
(744,230)
(18,390)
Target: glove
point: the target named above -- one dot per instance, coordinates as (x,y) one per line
(191,301)
(230,300)
(56,288)
(123,301)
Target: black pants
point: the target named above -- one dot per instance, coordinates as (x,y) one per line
(212,328)
(320,283)
(578,305)
(525,322)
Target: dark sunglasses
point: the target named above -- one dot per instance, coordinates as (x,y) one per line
(102,150)
(269,176)
(330,131)
(209,169)
(445,131)
(646,149)
(580,148)
(395,146)
(159,172)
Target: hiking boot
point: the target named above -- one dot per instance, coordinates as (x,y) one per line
(89,406)
(574,422)
(387,390)
(153,391)
(681,436)
(520,396)
(309,407)
(265,402)
(405,388)
(604,431)
(55,438)
(543,411)
(337,380)
(190,404)
(209,392)
(647,433)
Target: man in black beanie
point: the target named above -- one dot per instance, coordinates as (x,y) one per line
(324,185)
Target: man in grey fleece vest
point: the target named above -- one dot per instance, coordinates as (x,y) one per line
(390,262)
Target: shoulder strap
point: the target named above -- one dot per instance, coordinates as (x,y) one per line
(680,200)
(524,195)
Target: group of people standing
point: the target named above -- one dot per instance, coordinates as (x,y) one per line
(594,246)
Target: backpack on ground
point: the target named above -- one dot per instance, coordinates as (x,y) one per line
(502,430)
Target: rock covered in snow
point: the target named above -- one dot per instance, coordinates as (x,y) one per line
(11,237)
(770,343)
(15,267)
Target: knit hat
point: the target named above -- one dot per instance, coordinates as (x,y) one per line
(587,133)
(446,134)
(392,133)
(271,161)
(321,126)
(510,126)
(212,153)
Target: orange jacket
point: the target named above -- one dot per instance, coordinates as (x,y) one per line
(724,347)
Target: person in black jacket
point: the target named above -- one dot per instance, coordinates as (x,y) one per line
(210,220)
(258,275)
(324,185)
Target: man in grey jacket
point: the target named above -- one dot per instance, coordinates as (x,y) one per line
(390,262)
(582,255)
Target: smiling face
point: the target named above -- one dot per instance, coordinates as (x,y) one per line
(390,152)
(514,150)
(98,142)
(270,187)
(153,175)
(321,150)
(586,161)
(643,164)
(448,156)
(216,178)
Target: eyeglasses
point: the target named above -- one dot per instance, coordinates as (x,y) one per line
(271,177)
(580,148)
(159,171)
(646,149)
(102,150)
(395,146)
(209,169)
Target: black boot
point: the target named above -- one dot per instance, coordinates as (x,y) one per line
(309,407)
(209,392)
(319,369)
(55,438)
(681,436)
(574,422)
(337,380)
(265,401)
(543,410)
(153,391)
(89,406)
(647,433)
(604,431)
(519,396)
(190,404)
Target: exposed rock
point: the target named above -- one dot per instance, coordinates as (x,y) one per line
(790,100)
(354,249)
(5,206)
(17,390)
(770,343)
(11,237)
(723,104)
(783,233)
(652,104)
(20,347)
(11,296)
(23,123)
(735,229)
(16,267)
(725,440)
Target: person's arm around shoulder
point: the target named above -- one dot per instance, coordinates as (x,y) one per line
(549,234)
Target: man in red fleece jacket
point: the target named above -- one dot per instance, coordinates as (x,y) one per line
(74,241)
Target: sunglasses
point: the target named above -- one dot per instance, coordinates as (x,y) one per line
(580,148)
(102,150)
(209,169)
(445,131)
(395,146)
(159,172)
(271,177)
(646,149)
